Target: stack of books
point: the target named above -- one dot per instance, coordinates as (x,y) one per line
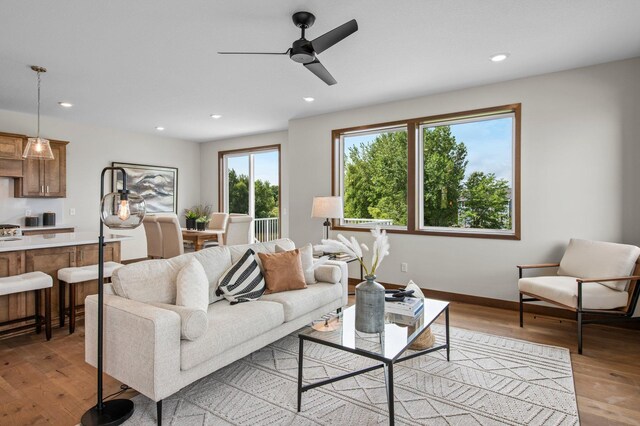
(407,310)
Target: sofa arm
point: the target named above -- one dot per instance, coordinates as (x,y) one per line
(141,344)
(344,279)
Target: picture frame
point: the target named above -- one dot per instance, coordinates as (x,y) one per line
(158,185)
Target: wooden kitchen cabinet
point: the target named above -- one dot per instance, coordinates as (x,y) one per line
(44,178)
(11,155)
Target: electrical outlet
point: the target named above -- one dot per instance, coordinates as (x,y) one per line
(72,212)
(27,212)
(404,267)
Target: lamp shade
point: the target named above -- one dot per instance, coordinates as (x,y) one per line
(122,210)
(327,207)
(38,148)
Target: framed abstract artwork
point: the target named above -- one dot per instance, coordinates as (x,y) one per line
(158,185)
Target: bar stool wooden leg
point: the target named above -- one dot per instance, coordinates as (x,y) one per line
(72,308)
(47,312)
(61,302)
(37,312)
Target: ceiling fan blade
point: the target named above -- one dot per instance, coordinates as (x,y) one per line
(319,70)
(337,34)
(254,53)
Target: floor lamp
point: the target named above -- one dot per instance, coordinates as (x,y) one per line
(118,210)
(327,208)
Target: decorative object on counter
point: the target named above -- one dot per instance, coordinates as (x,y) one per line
(190,219)
(38,148)
(158,185)
(369,293)
(118,210)
(48,219)
(30,221)
(327,208)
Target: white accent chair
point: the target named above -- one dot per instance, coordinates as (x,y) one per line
(594,278)
(23,283)
(172,243)
(154,236)
(238,230)
(78,275)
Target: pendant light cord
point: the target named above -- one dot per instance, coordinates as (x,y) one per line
(38,132)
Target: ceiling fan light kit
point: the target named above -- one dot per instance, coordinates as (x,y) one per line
(304,51)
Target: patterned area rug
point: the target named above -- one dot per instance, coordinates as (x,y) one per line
(490,380)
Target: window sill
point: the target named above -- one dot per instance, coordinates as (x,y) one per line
(443,233)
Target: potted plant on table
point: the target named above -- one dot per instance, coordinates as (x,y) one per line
(190,217)
(369,293)
(201,223)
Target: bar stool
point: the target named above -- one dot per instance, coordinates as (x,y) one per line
(77,275)
(31,281)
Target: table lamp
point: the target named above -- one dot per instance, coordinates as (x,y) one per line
(121,209)
(327,208)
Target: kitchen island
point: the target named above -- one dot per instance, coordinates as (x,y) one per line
(48,253)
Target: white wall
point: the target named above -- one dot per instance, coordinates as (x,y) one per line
(580,175)
(90,149)
(209,167)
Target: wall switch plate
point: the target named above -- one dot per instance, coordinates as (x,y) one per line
(404,267)
(27,212)
(72,212)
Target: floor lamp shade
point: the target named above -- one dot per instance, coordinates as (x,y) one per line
(118,210)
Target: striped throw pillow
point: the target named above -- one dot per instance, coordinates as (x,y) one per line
(242,282)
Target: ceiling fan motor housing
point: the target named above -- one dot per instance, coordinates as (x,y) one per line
(302,52)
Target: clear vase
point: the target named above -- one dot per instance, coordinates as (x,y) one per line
(370,306)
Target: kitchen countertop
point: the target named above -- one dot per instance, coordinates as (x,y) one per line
(57,240)
(45,228)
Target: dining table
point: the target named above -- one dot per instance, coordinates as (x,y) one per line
(198,238)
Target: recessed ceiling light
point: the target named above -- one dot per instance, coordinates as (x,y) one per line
(65,104)
(499,57)
(216,116)
(308,99)
(160,128)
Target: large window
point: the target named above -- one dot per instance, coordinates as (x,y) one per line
(454,174)
(250,184)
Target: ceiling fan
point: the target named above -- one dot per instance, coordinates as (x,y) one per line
(304,51)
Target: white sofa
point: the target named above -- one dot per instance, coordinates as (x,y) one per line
(142,340)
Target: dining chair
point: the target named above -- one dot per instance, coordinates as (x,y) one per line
(238,230)
(154,236)
(218,224)
(172,243)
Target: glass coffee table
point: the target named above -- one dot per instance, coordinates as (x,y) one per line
(387,347)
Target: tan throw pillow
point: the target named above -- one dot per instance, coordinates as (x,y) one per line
(282,271)
(306,257)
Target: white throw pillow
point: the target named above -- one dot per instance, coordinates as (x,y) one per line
(306,256)
(193,322)
(192,286)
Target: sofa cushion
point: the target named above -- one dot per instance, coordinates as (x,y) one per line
(306,259)
(192,286)
(597,259)
(328,274)
(564,290)
(230,326)
(155,280)
(193,321)
(299,302)
(244,281)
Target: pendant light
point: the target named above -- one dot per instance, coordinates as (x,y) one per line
(38,148)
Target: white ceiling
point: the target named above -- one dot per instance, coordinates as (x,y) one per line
(140,64)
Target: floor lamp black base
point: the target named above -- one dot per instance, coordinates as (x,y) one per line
(115,412)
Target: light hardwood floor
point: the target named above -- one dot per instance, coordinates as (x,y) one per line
(49,382)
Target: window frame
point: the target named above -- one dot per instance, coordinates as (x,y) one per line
(414,185)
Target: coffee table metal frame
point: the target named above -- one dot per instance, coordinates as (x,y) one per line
(387,363)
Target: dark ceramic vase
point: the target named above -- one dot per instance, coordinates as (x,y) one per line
(191,223)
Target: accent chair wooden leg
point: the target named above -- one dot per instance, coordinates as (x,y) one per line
(47,312)
(61,301)
(580,332)
(521,313)
(36,312)
(72,308)
(159,413)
